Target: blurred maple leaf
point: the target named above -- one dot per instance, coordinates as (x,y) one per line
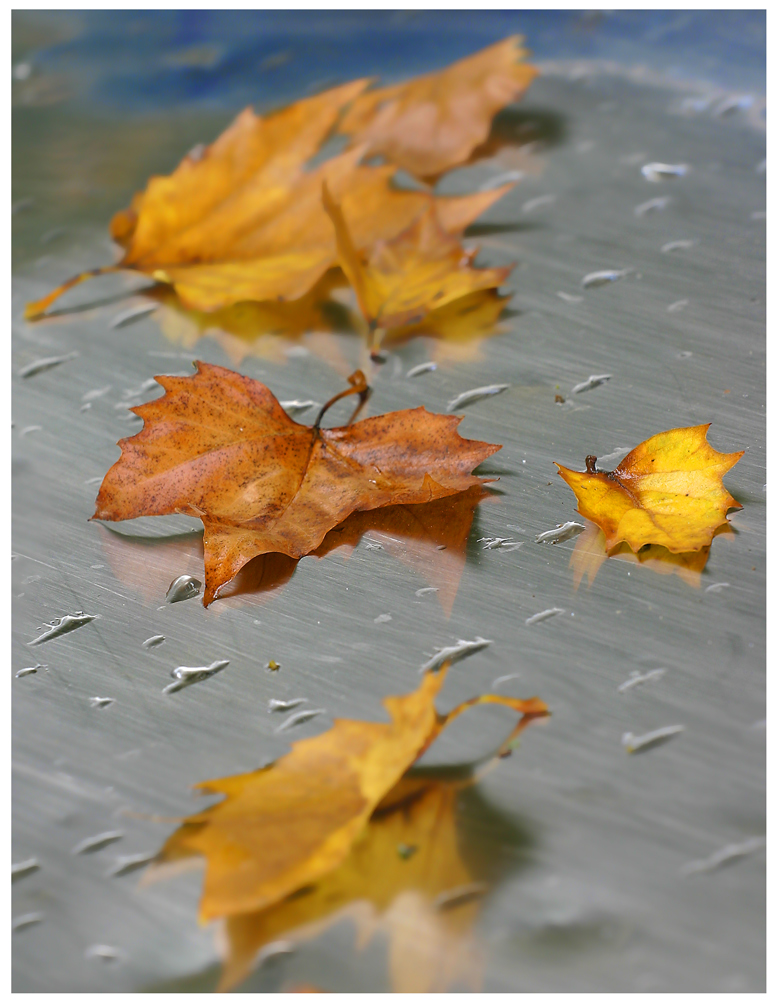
(219,446)
(242,219)
(667,492)
(434,122)
(294,844)
(405,278)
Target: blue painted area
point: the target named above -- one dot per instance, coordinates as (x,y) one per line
(142,61)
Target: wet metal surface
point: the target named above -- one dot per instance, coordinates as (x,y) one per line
(592,839)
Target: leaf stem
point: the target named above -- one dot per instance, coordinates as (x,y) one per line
(35,310)
(359,385)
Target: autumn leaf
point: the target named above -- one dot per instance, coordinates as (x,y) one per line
(219,446)
(294,822)
(434,122)
(429,538)
(421,269)
(242,220)
(668,491)
(407,857)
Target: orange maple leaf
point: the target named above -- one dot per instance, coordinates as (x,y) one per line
(219,446)
(419,270)
(668,491)
(434,122)
(242,219)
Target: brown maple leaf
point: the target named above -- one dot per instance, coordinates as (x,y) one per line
(434,122)
(243,220)
(219,446)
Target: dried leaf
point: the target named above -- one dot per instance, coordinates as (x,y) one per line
(429,538)
(292,823)
(379,887)
(421,269)
(668,491)
(434,122)
(243,221)
(219,446)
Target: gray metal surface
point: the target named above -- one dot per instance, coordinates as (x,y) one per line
(590,897)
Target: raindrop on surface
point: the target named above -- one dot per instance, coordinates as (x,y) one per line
(155,640)
(298,717)
(183,588)
(383,619)
(98,702)
(105,952)
(89,845)
(656,172)
(597,278)
(23,868)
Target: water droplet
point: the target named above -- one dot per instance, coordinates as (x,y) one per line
(23,868)
(677,245)
(30,430)
(183,588)
(472,395)
(185,676)
(561,533)
(571,299)
(677,306)
(61,626)
(383,619)
(684,354)
(540,202)
(509,177)
(655,738)
(426,590)
(98,702)
(133,313)
(93,394)
(90,845)
(28,670)
(461,649)
(298,718)
(652,205)
(127,863)
(715,587)
(503,679)
(278,705)
(543,615)
(597,278)
(26,920)
(104,952)
(297,405)
(636,679)
(155,640)
(591,383)
(43,364)
(426,366)
(656,172)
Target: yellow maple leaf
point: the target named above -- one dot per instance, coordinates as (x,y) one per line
(242,220)
(668,491)
(434,122)
(422,269)
(293,822)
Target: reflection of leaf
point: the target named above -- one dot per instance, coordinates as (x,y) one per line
(589,554)
(219,446)
(434,122)
(243,220)
(267,329)
(429,538)
(335,828)
(668,491)
(421,269)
